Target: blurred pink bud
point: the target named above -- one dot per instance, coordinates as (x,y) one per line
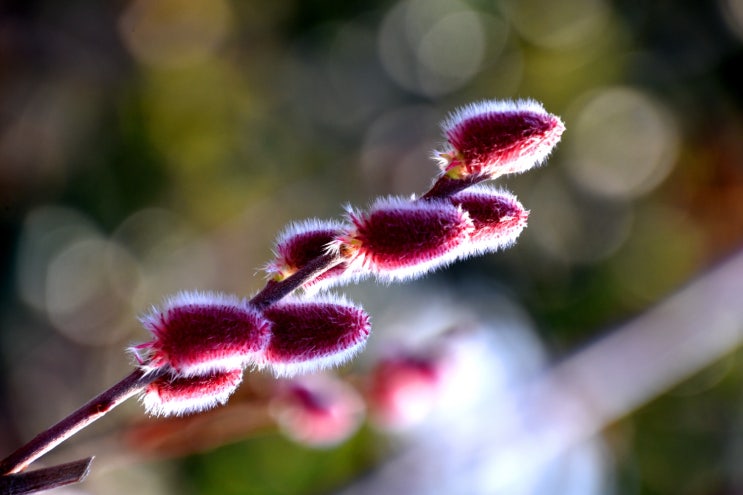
(300,243)
(403,390)
(497,215)
(178,395)
(399,239)
(312,334)
(318,411)
(493,138)
(195,332)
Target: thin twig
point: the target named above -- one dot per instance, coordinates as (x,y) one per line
(138,380)
(446,186)
(274,291)
(45,479)
(94,409)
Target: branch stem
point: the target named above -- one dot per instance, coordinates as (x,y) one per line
(137,380)
(94,409)
(45,479)
(274,291)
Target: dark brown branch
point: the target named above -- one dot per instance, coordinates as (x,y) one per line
(138,380)
(445,186)
(274,291)
(45,479)
(94,409)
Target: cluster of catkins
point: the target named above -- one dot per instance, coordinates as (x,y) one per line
(202,342)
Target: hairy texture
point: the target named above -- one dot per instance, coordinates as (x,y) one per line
(497,215)
(197,332)
(398,239)
(300,243)
(308,335)
(178,395)
(494,138)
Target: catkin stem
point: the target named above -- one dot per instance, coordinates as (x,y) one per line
(138,380)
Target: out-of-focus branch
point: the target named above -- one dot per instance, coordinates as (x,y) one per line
(574,400)
(645,357)
(45,479)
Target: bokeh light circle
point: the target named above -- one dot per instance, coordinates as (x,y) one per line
(87,291)
(732,12)
(432,47)
(621,143)
(573,228)
(558,25)
(174,33)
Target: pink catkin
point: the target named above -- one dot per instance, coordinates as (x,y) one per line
(403,390)
(494,138)
(399,239)
(302,242)
(198,332)
(178,395)
(310,334)
(318,411)
(497,216)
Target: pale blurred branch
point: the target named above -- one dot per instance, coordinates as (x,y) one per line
(569,404)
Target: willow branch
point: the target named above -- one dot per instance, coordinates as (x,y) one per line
(46,479)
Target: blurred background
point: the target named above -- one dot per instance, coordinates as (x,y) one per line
(152,146)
